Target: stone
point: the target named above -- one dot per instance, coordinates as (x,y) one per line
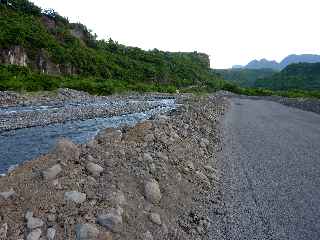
(147,236)
(189,166)
(209,169)
(34,235)
(57,184)
(162,156)
(109,136)
(33,223)
(152,191)
(12,168)
(147,157)
(155,218)
(7,195)
(149,138)
(202,177)
(94,169)
(3,231)
(119,198)
(52,218)
(51,233)
(204,142)
(29,214)
(75,196)
(52,173)
(86,232)
(66,150)
(112,221)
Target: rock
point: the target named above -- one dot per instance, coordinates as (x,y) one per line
(29,214)
(149,137)
(109,136)
(57,184)
(51,233)
(94,169)
(112,221)
(52,218)
(189,167)
(204,142)
(75,196)
(86,232)
(12,168)
(147,236)
(152,191)
(7,195)
(119,198)
(52,172)
(34,235)
(155,218)
(33,223)
(66,150)
(3,231)
(162,156)
(209,169)
(147,157)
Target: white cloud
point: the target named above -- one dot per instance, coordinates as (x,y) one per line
(230,31)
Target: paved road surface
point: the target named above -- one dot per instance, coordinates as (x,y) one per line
(271,162)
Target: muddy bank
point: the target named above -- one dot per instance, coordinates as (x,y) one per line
(155,180)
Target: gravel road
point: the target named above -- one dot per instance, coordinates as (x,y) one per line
(271,180)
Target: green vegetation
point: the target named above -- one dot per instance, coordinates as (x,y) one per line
(302,76)
(245,77)
(97,66)
(267,92)
(17,78)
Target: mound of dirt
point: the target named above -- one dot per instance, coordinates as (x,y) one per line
(155,180)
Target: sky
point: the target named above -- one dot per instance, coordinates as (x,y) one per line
(231,32)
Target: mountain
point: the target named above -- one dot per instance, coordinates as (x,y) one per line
(302,76)
(264,63)
(304,58)
(44,45)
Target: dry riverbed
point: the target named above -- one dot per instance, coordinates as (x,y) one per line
(156,180)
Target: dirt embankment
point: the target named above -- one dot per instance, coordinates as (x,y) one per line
(153,181)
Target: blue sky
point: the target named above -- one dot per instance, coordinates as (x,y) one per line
(230,31)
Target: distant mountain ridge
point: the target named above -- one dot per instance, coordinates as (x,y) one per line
(267,64)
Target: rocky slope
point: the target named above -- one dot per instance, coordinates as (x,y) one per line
(152,181)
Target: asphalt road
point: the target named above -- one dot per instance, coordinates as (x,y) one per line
(271,165)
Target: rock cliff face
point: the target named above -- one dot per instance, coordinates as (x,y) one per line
(17,55)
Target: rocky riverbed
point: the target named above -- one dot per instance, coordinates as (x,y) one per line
(69,105)
(155,180)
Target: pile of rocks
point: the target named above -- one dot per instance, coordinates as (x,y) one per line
(155,180)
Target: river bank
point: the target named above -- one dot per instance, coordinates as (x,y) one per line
(155,180)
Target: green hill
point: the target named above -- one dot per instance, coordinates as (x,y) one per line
(244,77)
(44,43)
(301,76)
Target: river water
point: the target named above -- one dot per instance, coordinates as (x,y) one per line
(24,144)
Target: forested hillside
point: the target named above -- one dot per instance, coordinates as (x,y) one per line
(244,77)
(304,76)
(44,43)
